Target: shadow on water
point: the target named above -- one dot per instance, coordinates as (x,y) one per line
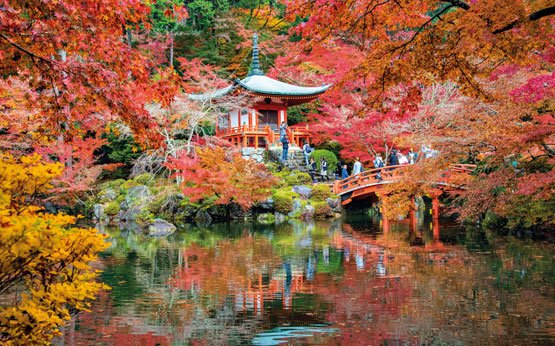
(357,280)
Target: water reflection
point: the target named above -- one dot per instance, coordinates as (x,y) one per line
(361,280)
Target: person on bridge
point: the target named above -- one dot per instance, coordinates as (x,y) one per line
(357,167)
(393,159)
(344,173)
(402,158)
(378,163)
(412,156)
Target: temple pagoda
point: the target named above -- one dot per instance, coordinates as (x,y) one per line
(258,125)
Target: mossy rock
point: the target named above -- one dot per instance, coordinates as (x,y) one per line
(144,179)
(493,221)
(128,185)
(266,218)
(322,210)
(298,178)
(112,208)
(283,200)
(320,192)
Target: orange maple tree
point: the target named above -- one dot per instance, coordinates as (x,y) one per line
(498,111)
(221,177)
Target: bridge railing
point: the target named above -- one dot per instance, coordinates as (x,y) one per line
(389,174)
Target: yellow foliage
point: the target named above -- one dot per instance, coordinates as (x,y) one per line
(41,255)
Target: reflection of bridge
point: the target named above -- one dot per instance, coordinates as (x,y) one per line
(365,185)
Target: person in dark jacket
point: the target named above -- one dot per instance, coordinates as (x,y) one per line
(344,172)
(393,160)
(285,143)
(312,169)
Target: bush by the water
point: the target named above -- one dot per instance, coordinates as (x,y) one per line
(322,209)
(330,158)
(320,192)
(283,199)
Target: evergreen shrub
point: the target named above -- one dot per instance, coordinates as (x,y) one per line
(322,210)
(283,199)
(330,158)
(320,192)
(298,178)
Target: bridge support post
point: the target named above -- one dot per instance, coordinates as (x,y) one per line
(385,221)
(435,230)
(435,207)
(412,216)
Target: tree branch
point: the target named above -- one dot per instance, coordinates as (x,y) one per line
(28,52)
(549,11)
(458,3)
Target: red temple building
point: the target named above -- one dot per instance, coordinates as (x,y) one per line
(258,125)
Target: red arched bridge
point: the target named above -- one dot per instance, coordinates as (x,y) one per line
(365,185)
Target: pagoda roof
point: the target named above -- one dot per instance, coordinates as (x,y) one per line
(261,84)
(256,82)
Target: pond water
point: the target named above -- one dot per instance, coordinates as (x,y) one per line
(351,281)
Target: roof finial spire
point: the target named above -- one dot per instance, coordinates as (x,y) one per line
(255,64)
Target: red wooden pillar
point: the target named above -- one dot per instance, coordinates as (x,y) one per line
(412,216)
(435,207)
(435,229)
(385,221)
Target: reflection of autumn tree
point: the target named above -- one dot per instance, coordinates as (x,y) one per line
(228,268)
(458,290)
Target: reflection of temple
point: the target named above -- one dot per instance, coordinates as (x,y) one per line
(258,126)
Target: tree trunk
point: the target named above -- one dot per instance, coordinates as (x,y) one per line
(171,48)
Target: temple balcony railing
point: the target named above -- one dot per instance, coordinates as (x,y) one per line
(257,137)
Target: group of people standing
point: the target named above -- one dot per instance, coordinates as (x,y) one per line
(307,150)
(395,158)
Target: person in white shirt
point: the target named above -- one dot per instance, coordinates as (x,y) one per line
(357,167)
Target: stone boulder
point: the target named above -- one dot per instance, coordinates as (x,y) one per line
(98,210)
(202,218)
(267,204)
(248,151)
(279,217)
(308,212)
(108,195)
(266,218)
(137,195)
(303,191)
(258,158)
(160,228)
(334,204)
(296,208)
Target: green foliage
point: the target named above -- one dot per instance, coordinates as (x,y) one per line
(328,156)
(121,148)
(332,146)
(144,179)
(527,212)
(202,13)
(320,192)
(298,178)
(298,114)
(493,221)
(112,209)
(321,209)
(283,199)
